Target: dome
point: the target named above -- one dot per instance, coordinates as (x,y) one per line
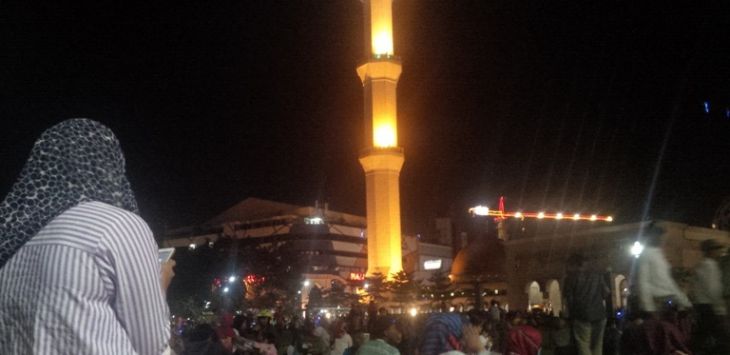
(482,260)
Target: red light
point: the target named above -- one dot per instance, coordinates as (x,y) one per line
(251,279)
(357,276)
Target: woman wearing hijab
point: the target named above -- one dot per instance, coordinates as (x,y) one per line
(442,333)
(522,338)
(79,272)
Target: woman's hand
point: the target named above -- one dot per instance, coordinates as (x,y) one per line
(166,274)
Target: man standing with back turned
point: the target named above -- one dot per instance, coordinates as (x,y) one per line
(585,295)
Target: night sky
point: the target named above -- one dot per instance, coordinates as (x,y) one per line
(557,105)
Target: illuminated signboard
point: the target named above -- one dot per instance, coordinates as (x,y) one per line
(357,276)
(432,264)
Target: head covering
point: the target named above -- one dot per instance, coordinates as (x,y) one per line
(75,161)
(226,320)
(524,340)
(442,333)
(224,331)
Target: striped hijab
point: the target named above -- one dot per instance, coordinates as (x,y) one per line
(75,161)
(442,333)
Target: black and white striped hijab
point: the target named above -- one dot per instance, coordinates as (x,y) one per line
(75,161)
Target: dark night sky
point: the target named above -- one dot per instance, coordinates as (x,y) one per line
(556,105)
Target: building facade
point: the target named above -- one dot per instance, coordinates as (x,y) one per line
(334,244)
(535,265)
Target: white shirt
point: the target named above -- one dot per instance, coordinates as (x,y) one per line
(87,283)
(341,344)
(322,333)
(654,280)
(708,286)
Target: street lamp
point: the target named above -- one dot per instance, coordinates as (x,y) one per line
(636,249)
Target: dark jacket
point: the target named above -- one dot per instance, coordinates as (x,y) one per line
(585,293)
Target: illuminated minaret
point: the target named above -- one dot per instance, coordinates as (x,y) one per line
(382,159)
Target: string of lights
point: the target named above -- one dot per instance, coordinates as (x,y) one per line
(502,214)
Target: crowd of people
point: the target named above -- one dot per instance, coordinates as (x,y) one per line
(365,333)
(660,318)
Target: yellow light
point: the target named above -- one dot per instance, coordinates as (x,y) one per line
(594,217)
(609,219)
(518,214)
(480,210)
(384,136)
(541,215)
(559,215)
(381,27)
(382,43)
(413,312)
(576,216)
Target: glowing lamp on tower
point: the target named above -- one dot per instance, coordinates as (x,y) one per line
(384,136)
(382,43)
(381,27)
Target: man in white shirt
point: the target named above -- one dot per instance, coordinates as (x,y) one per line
(654,281)
(709,303)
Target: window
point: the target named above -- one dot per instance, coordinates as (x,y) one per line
(433,264)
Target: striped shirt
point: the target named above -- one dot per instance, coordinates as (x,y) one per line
(87,283)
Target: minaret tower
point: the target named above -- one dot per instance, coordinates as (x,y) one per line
(381,159)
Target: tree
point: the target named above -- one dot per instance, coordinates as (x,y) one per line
(376,286)
(440,283)
(204,273)
(187,307)
(315,297)
(279,268)
(404,288)
(337,296)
